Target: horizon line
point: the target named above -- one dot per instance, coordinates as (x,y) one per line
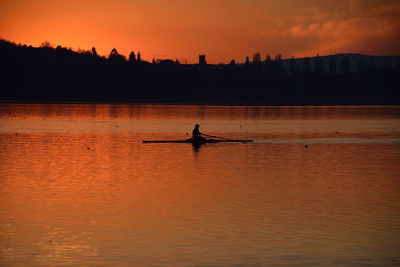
(79,50)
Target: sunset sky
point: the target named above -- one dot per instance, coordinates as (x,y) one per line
(221,29)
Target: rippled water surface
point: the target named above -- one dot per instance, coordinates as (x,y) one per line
(319,186)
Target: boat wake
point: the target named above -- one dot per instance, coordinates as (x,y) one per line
(330,141)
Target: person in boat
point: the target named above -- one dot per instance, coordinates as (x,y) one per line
(196,134)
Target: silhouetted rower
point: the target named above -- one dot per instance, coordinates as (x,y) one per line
(196,134)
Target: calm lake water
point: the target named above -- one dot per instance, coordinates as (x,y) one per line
(78,187)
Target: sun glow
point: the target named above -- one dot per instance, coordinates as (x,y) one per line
(220,29)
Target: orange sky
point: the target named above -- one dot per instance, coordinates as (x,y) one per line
(221,29)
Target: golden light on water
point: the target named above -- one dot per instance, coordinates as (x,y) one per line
(89,192)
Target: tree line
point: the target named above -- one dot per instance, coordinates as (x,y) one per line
(61,74)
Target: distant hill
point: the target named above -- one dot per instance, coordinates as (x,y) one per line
(357,62)
(59,74)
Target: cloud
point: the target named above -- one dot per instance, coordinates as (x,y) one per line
(316,31)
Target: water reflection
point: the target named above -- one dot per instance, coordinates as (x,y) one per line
(196,147)
(124,203)
(164,112)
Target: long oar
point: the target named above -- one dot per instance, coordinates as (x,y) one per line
(216,136)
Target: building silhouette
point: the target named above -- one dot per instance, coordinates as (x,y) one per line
(202,60)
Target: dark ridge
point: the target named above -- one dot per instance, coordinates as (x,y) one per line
(47,74)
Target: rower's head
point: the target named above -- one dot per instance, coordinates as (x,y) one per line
(196,126)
